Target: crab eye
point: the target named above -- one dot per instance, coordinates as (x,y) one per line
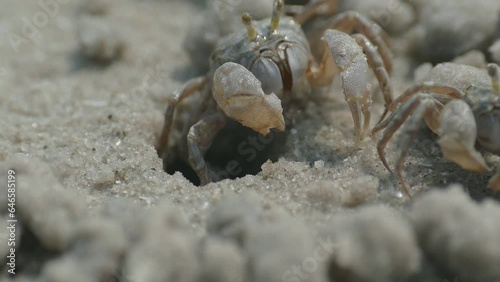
(268,73)
(488,131)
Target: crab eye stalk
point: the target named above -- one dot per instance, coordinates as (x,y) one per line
(247,21)
(275,20)
(495,77)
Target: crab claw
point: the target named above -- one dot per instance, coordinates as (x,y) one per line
(239,94)
(458,133)
(354,69)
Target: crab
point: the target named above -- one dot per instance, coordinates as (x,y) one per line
(464,118)
(254,72)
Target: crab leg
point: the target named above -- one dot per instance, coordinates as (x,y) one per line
(391,125)
(422,108)
(377,65)
(458,134)
(443,90)
(199,139)
(353,21)
(192,86)
(418,107)
(314,8)
(349,58)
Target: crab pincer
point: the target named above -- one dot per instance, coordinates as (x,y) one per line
(458,134)
(350,60)
(239,94)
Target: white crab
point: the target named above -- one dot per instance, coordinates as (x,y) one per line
(463,117)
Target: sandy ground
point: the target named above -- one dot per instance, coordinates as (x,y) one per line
(93,202)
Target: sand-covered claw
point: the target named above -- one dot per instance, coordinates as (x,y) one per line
(354,69)
(239,94)
(458,133)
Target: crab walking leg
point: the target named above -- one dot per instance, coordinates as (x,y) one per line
(192,86)
(423,107)
(353,21)
(322,74)
(314,8)
(377,65)
(446,91)
(458,134)
(353,66)
(205,100)
(199,139)
(393,123)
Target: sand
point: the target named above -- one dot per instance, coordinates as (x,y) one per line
(83,89)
